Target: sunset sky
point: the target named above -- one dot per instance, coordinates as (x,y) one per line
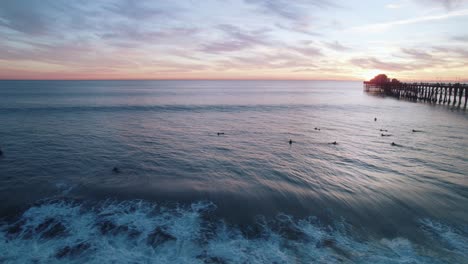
(234,39)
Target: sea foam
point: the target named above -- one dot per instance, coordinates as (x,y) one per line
(142,232)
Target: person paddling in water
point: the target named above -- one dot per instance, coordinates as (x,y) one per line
(290,141)
(333,143)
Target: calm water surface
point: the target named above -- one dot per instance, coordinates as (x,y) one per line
(186,195)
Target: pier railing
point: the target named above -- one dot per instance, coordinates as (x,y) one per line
(442,93)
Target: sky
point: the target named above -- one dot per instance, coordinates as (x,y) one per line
(412,40)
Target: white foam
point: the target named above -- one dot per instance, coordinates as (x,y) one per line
(449,238)
(120,232)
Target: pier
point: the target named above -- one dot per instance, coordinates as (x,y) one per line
(455,94)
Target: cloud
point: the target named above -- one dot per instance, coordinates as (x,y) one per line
(235,39)
(71,54)
(137,10)
(394,6)
(248,37)
(299,27)
(463,38)
(296,14)
(417,54)
(281,59)
(383,26)
(25,16)
(167,66)
(448,4)
(131,37)
(461,53)
(374,63)
(279,8)
(307,51)
(336,46)
(289,9)
(305,70)
(440,57)
(59,17)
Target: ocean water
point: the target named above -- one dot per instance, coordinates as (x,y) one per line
(185,194)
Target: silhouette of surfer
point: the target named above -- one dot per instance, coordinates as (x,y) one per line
(290,141)
(220,133)
(385,135)
(375,119)
(116,170)
(333,143)
(416,131)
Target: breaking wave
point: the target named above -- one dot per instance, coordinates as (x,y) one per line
(138,231)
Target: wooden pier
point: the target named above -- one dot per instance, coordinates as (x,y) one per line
(455,94)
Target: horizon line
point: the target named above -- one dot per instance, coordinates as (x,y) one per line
(228,79)
(182,79)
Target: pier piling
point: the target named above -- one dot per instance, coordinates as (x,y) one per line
(466,96)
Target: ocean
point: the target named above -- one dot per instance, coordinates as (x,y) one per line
(182,193)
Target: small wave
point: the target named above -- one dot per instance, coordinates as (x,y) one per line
(174,108)
(151,108)
(142,232)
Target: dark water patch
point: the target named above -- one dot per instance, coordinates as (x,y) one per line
(50,228)
(159,236)
(72,251)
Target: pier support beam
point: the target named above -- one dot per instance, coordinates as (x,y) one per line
(449,94)
(460,94)
(440,97)
(455,90)
(445,95)
(466,95)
